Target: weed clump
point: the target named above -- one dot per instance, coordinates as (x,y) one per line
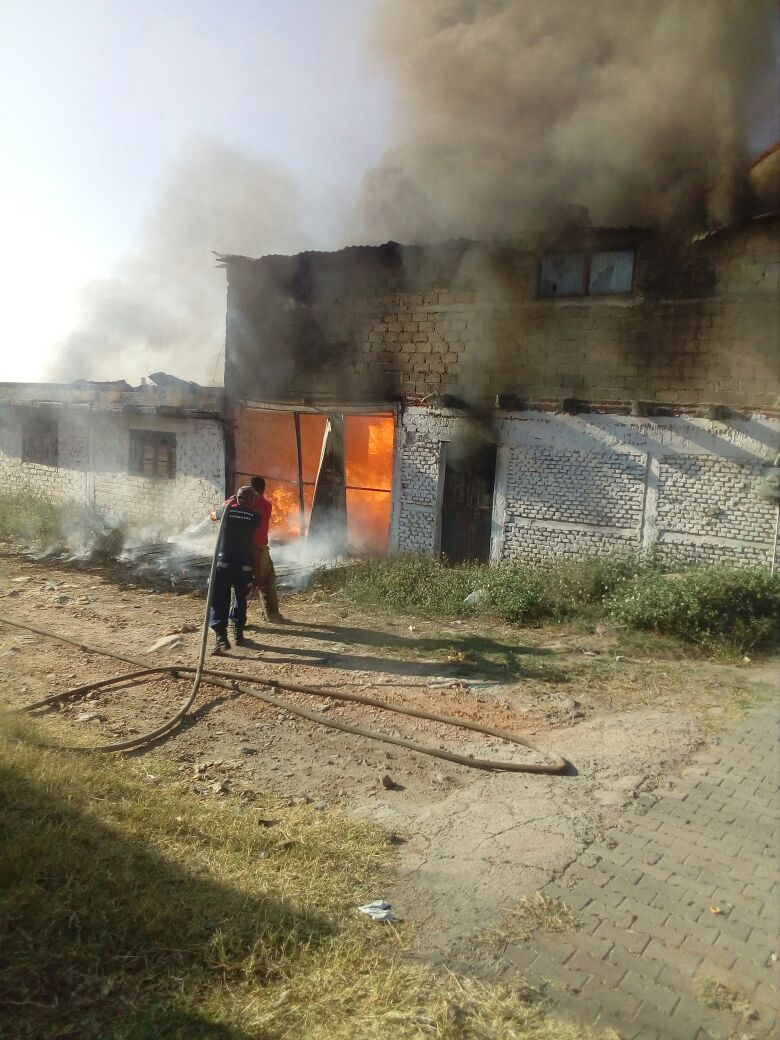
(30,517)
(720,998)
(537,913)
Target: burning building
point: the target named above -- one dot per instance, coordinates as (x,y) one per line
(588,390)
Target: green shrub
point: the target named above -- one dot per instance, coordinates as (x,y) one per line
(704,605)
(517,592)
(575,585)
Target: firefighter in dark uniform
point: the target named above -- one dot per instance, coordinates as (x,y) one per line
(234,568)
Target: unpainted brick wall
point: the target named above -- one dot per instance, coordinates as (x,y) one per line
(568,486)
(702,325)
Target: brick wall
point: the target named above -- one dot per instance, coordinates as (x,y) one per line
(702,325)
(92,469)
(68,480)
(567,486)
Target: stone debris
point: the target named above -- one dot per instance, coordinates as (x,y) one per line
(166,643)
(476,598)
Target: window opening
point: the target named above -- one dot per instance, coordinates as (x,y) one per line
(612,272)
(266,444)
(40,441)
(152,454)
(563,274)
(587,274)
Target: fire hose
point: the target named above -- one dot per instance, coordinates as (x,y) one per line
(235,683)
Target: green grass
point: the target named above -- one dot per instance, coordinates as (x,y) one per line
(29,516)
(132,909)
(519,593)
(709,606)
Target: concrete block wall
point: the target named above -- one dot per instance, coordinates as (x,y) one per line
(682,487)
(701,326)
(93,462)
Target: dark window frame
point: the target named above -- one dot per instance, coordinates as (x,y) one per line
(162,445)
(41,441)
(589,255)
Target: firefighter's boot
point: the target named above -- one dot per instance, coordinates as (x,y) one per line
(221,642)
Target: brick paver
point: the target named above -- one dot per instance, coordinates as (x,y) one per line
(645,893)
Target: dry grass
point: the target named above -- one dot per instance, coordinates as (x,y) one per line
(714,692)
(132,910)
(720,998)
(536,913)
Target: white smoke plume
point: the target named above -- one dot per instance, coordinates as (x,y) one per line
(638,110)
(164,308)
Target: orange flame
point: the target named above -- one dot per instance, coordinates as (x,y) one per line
(285,517)
(369,465)
(265,443)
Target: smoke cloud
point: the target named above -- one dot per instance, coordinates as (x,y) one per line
(164,308)
(510,110)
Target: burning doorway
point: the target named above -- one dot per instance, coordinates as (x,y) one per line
(292,449)
(467,503)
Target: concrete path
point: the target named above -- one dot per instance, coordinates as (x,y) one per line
(651,940)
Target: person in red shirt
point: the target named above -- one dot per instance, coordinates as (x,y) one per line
(264,573)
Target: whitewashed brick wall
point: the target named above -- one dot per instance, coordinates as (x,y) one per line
(68,480)
(683,487)
(93,461)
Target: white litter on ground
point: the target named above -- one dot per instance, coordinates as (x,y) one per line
(379,910)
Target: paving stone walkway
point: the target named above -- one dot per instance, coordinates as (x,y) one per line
(650,940)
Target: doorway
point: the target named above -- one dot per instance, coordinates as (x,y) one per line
(294,449)
(467,504)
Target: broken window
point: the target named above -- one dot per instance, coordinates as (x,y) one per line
(612,272)
(152,454)
(591,274)
(40,441)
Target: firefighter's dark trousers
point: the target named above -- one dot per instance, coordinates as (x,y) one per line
(235,578)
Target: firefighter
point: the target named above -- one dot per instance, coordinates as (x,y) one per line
(234,572)
(265,575)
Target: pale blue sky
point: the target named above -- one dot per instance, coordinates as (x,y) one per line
(97,97)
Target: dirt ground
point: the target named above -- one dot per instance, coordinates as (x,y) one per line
(470,843)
